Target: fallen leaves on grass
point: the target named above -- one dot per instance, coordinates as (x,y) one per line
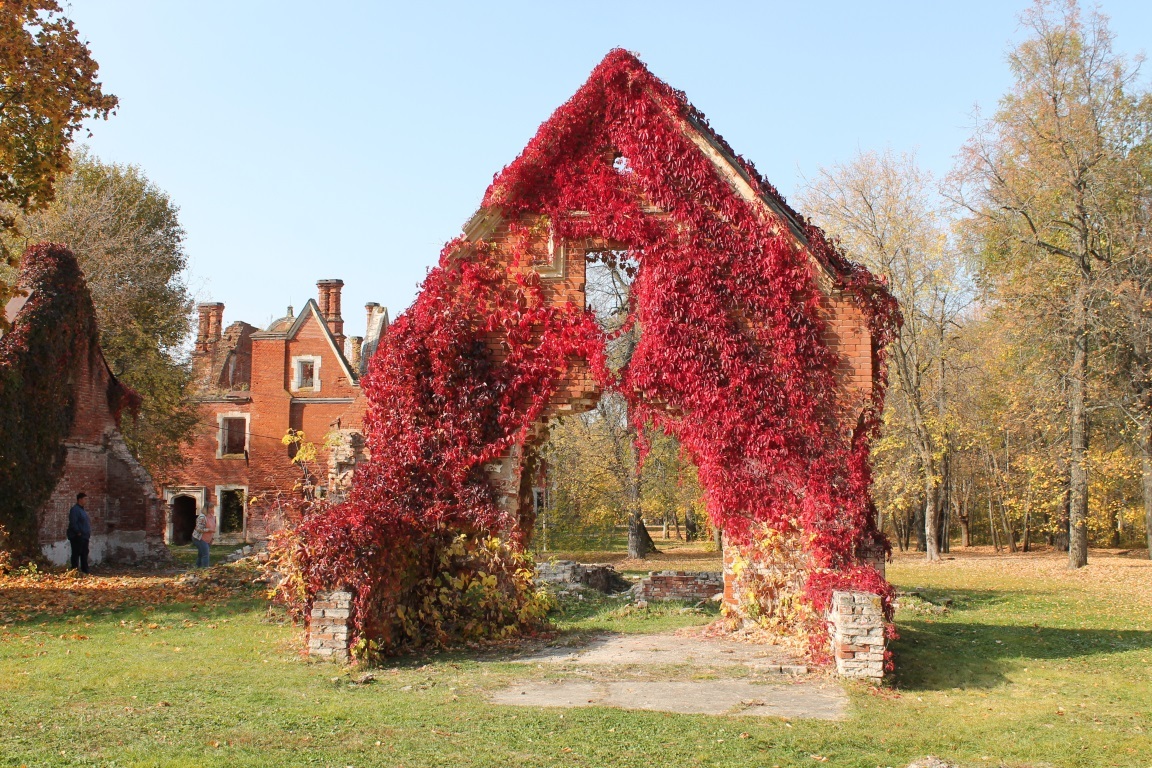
(41,594)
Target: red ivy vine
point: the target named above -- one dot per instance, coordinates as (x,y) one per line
(52,346)
(731,359)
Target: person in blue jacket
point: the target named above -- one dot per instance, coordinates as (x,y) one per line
(79,532)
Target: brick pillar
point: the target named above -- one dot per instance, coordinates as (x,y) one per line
(856,627)
(328,628)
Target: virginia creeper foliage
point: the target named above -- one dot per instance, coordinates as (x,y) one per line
(732,358)
(51,346)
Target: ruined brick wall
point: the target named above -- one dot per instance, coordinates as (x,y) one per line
(561,267)
(328,626)
(856,633)
(761,582)
(122,503)
(775,577)
(679,585)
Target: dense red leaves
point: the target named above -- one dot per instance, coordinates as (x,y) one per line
(731,358)
(442,406)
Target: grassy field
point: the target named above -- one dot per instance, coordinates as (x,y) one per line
(1028,665)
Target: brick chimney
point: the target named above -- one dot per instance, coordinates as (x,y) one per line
(208,329)
(370,308)
(329,301)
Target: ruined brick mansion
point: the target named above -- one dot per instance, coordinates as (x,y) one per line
(253,385)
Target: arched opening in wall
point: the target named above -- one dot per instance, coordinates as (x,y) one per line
(593,489)
(183,519)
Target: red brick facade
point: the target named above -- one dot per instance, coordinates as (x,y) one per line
(300,373)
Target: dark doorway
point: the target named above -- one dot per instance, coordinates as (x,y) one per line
(183,519)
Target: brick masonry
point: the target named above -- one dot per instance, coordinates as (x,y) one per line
(122,503)
(328,626)
(679,585)
(856,631)
(246,372)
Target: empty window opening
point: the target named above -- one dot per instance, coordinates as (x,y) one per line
(234,437)
(608,291)
(620,165)
(232,511)
(305,374)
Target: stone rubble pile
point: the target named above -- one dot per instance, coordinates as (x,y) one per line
(568,573)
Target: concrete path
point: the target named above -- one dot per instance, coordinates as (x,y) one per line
(604,673)
(682,649)
(689,697)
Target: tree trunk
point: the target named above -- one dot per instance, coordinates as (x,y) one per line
(640,543)
(1146,479)
(1060,540)
(718,536)
(689,524)
(1114,517)
(962,518)
(1008,532)
(931,518)
(992,526)
(1078,454)
(918,526)
(900,525)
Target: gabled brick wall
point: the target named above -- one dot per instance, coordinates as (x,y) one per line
(260,389)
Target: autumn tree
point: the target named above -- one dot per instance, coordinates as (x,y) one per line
(1044,181)
(595,475)
(1126,316)
(48,88)
(887,215)
(126,234)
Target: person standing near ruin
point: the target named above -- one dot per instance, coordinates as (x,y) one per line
(79,533)
(202,536)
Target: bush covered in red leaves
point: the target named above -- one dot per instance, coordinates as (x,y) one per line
(731,358)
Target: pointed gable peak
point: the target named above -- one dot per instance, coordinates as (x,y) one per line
(311,311)
(626,118)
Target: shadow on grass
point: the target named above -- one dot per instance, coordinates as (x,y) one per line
(957,600)
(944,655)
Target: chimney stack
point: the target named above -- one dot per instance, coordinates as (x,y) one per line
(329,301)
(370,308)
(208,330)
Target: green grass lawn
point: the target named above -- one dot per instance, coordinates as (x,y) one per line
(1030,666)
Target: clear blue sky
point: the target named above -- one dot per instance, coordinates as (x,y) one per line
(306,140)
